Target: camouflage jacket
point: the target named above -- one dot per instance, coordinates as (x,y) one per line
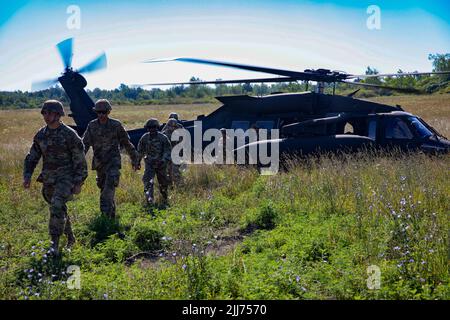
(106,141)
(62,152)
(154,148)
(168,134)
(179,126)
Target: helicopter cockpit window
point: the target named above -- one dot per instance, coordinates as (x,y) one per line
(422,131)
(244,125)
(396,128)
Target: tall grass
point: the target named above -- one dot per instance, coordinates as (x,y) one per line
(229,233)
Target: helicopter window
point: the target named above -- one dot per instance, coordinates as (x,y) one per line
(265,125)
(396,128)
(372,129)
(348,129)
(244,125)
(422,131)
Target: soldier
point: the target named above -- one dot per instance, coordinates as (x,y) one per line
(172,168)
(172,115)
(106,136)
(64,169)
(155,148)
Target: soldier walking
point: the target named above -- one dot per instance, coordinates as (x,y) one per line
(107,136)
(64,169)
(172,168)
(172,115)
(155,148)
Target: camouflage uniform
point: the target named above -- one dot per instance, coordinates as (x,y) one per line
(64,166)
(155,149)
(173,169)
(106,140)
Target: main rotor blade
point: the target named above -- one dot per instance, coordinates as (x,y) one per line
(65,49)
(42,85)
(407,90)
(260,80)
(402,74)
(96,64)
(288,73)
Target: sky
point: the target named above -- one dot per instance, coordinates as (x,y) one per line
(294,35)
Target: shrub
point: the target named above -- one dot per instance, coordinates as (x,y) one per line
(146,238)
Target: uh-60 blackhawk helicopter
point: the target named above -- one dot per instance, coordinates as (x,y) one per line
(314,121)
(308,122)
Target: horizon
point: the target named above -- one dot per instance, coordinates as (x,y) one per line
(294,35)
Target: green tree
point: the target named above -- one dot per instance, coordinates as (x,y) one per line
(441,62)
(372,71)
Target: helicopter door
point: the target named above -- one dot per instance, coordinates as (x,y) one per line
(372,130)
(244,125)
(265,125)
(268,125)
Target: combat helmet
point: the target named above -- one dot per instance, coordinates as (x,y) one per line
(53,106)
(173,115)
(102,105)
(152,123)
(172,122)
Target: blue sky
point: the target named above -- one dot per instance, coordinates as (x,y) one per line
(285,34)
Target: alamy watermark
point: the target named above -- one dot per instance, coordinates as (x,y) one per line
(374,20)
(231,146)
(374,279)
(74,20)
(74,281)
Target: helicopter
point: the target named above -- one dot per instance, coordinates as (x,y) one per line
(314,122)
(308,121)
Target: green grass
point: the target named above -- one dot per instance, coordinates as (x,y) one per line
(230,233)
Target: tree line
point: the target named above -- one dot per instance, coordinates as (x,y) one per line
(183,94)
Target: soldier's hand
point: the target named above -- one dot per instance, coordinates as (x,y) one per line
(26,183)
(76,188)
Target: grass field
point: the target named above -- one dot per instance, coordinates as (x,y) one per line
(229,233)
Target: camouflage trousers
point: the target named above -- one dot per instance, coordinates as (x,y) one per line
(148,179)
(57,195)
(107,181)
(174,173)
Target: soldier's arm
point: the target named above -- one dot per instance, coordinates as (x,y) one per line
(167,149)
(141,149)
(87,141)
(124,140)
(80,170)
(31,161)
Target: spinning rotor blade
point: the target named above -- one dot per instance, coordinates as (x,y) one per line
(407,90)
(96,64)
(307,76)
(402,74)
(319,75)
(65,49)
(279,79)
(42,85)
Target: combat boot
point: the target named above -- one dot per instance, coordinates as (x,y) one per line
(165,201)
(69,234)
(149,197)
(55,246)
(70,240)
